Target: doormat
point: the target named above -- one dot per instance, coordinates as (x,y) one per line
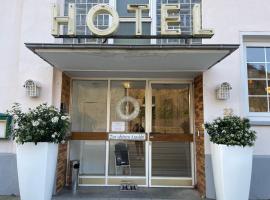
(128,187)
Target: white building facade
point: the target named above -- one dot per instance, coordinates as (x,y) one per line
(170,82)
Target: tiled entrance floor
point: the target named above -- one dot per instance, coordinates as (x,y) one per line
(113,193)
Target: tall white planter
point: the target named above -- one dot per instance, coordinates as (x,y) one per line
(232,167)
(36,170)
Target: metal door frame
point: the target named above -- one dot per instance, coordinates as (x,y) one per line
(192,146)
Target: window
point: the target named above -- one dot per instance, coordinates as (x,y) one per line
(258,72)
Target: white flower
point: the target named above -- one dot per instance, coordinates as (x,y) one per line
(16,126)
(35,123)
(215,125)
(65,117)
(53,136)
(55,119)
(63,142)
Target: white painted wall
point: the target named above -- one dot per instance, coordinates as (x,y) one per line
(10,21)
(25,21)
(229,18)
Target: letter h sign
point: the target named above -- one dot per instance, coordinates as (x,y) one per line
(70,20)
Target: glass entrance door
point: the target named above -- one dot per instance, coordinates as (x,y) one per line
(170,136)
(127,117)
(132,131)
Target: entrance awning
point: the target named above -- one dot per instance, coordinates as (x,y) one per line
(84,60)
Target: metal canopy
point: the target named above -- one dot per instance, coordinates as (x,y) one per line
(82,60)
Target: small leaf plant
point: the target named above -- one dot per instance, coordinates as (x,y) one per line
(231,131)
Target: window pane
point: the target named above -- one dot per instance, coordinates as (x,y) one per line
(258,104)
(268,54)
(120,109)
(122,7)
(256,70)
(256,87)
(268,71)
(89,106)
(89,114)
(128,28)
(268,88)
(93,158)
(255,54)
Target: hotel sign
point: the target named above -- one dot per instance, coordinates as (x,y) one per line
(168,17)
(127,136)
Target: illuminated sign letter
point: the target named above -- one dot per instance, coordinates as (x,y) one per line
(138,9)
(102,9)
(70,20)
(167,18)
(197,23)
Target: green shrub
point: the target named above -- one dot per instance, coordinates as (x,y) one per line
(41,124)
(231,131)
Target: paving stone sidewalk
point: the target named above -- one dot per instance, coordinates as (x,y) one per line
(113,193)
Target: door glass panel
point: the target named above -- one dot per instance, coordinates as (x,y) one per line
(170,108)
(127,158)
(89,114)
(171,159)
(171,117)
(128,105)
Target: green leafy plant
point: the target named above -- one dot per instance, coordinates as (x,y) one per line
(41,124)
(231,131)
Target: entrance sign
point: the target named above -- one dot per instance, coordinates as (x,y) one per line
(127,136)
(168,17)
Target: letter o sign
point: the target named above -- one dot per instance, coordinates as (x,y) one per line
(102,9)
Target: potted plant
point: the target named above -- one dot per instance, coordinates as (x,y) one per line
(232,148)
(37,133)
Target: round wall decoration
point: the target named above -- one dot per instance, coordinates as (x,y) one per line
(131,116)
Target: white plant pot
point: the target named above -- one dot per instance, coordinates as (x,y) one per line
(36,170)
(232,166)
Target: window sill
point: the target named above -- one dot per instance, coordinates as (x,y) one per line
(260,120)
